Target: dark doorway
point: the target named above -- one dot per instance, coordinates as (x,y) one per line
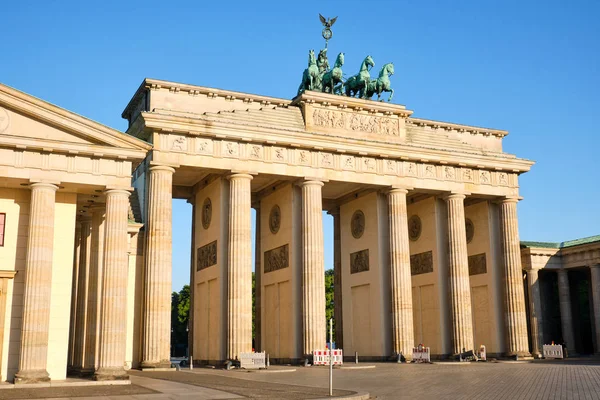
(579,285)
(550,307)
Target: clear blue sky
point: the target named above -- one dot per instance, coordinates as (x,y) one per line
(530,67)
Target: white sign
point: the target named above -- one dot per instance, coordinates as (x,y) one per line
(421,354)
(321,357)
(252,360)
(553,351)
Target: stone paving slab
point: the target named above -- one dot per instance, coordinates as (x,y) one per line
(79,392)
(230,381)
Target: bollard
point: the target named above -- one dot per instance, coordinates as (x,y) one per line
(177,367)
(191,362)
(228,365)
(268,361)
(399,358)
(356,357)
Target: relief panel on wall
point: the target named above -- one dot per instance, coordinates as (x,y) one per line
(206,256)
(477,264)
(359,261)
(277,258)
(421,263)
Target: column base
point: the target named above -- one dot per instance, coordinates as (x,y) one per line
(519,355)
(32,376)
(162,364)
(111,374)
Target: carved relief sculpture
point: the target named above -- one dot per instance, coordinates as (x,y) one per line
(357,224)
(206,256)
(414,228)
(206,213)
(477,264)
(359,261)
(469,229)
(275,219)
(421,263)
(277,258)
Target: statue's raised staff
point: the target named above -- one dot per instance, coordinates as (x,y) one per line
(333,77)
(359,83)
(382,83)
(310,77)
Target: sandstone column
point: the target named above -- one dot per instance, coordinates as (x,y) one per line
(157,279)
(402,310)
(514,297)
(190,335)
(239,276)
(566,319)
(535,309)
(257,282)
(73,320)
(82,294)
(595,277)
(313,270)
(458,276)
(38,279)
(94,291)
(113,317)
(337,279)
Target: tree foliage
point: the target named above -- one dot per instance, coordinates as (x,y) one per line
(180,310)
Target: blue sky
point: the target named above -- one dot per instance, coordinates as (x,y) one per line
(529,67)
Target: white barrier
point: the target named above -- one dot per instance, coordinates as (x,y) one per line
(321,357)
(421,354)
(482,353)
(553,351)
(252,360)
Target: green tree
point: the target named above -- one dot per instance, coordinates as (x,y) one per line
(329,301)
(180,310)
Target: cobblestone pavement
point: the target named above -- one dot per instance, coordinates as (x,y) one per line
(538,380)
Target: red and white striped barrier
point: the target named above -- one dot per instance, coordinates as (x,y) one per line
(421,354)
(321,357)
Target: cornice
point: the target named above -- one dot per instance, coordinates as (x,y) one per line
(194,90)
(205,125)
(457,127)
(7,274)
(70,122)
(326,99)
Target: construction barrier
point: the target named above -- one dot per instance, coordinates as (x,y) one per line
(482,353)
(421,354)
(321,357)
(253,360)
(553,351)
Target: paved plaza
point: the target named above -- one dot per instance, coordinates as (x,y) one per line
(505,380)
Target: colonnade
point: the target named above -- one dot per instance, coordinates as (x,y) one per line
(565,305)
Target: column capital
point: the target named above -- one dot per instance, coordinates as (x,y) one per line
(312,182)
(43,185)
(160,167)
(396,189)
(455,195)
(508,199)
(239,175)
(117,192)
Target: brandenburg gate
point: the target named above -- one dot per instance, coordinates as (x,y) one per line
(426,244)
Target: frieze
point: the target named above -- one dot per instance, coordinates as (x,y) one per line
(333,119)
(277,258)
(477,264)
(178,143)
(230,149)
(304,157)
(279,154)
(348,162)
(206,256)
(326,160)
(421,263)
(204,146)
(256,151)
(359,261)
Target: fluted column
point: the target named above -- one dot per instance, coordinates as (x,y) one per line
(257,282)
(38,280)
(157,279)
(190,335)
(566,318)
(337,279)
(402,309)
(82,294)
(458,276)
(514,297)
(239,276)
(73,319)
(535,309)
(113,317)
(92,326)
(313,270)
(595,277)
